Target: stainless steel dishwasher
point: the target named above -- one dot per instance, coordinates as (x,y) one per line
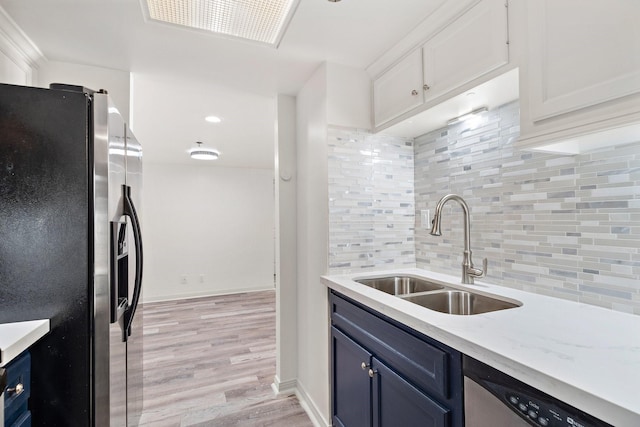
(494,399)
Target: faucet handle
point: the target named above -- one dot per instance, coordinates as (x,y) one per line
(476,272)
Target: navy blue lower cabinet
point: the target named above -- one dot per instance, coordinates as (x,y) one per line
(17,392)
(351,382)
(23,420)
(398,403)
(385,374)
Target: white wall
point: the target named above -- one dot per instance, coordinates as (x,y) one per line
(340,96)
(286,268)
(205,220)
(312,245)
(116,82)
(11,72)
(348,97)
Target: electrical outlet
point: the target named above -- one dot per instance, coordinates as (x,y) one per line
(425,219)
(183,279)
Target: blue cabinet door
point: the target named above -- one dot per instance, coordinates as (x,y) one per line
(415,380)
(398,403)
(17,392)
(351,383)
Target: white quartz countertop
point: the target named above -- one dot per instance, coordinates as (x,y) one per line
(18,336)
(584,355)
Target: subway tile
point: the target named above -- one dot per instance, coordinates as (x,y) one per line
(605,291)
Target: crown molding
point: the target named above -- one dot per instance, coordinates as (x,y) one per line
(17,45)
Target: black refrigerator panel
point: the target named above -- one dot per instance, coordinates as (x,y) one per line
(45,242)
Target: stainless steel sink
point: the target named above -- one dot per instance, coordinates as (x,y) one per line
(400,285)
(460,302)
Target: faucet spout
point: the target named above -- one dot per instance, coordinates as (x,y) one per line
(468,270)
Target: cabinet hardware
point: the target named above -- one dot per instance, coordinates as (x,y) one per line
(17,390)
(364,366)
(372,372)
(426,87)
(414,92)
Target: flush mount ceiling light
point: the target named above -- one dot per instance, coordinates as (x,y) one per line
(203,153)
(466,117)
(261,21)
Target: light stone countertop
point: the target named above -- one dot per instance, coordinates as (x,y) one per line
(584,355)
(18,336)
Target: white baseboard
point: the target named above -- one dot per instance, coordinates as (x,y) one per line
(204,294)
(310,407)
(281,388)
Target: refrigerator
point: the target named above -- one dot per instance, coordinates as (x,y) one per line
(71,251)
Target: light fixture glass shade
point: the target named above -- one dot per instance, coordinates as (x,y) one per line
(257,20)
(203,153)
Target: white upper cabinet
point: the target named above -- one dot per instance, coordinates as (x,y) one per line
(475,44)
(399,89)
(582,74)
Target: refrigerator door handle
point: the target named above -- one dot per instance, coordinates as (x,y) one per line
(130,211)
(118,303)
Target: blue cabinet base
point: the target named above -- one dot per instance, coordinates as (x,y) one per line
(17,392)
(23,420)
(385,374)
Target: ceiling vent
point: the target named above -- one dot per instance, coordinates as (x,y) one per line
(262,21)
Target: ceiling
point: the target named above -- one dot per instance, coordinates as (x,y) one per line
(187,74)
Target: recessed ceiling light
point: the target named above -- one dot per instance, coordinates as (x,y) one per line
(262,21)
(213,119)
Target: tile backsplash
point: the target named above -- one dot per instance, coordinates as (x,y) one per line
(565,226)
(371,203)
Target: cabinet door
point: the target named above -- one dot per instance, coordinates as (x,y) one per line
(351,383)
(581,53)
(398,403)
(473,45)
(399,89)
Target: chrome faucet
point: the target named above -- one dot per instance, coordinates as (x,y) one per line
(468,270)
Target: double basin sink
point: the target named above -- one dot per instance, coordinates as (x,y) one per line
(435,296)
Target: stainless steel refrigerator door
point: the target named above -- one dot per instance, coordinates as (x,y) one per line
(112,362)
(134,343)
(101,306)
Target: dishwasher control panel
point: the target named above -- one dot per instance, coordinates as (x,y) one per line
(539,413)
(533,406)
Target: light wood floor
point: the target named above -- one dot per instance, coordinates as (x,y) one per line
(211,361)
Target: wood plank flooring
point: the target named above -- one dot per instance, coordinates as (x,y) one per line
(210,362)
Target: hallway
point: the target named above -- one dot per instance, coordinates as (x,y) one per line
(210,362)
